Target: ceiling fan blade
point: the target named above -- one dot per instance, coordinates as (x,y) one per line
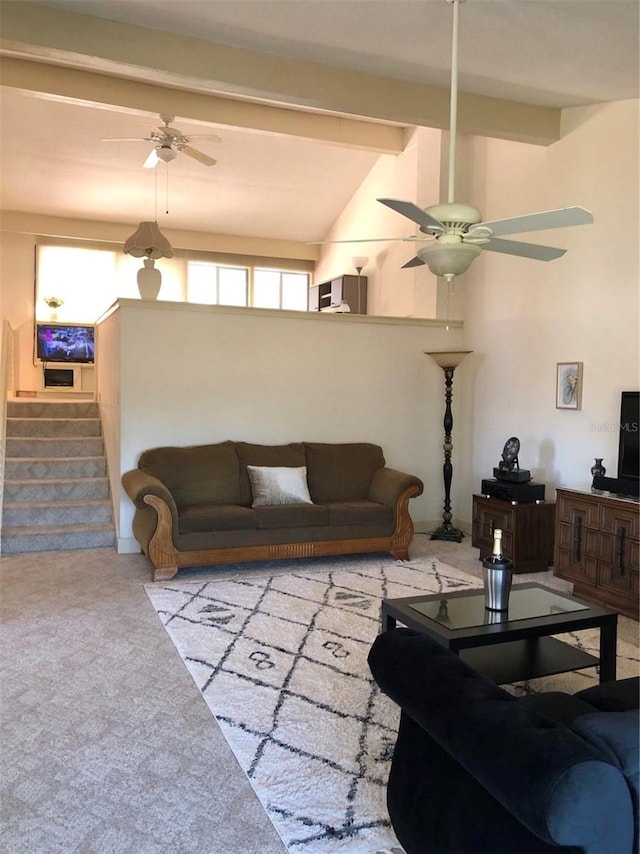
(198,155)
(127,139)
(211,137)
(415,262)
(412,239)
(152,160)
(524,250)
(560,218)
(416,214)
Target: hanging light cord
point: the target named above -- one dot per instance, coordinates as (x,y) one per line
(155,179)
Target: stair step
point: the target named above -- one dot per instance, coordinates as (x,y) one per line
(60,447)
(52,409)
(53,427)
(56,538)
(56,490)
(39,468)
(46,513)
(60,489)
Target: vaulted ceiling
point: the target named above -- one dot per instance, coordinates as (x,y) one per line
(305,95)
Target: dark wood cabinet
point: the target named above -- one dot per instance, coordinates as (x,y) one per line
(351,289)
(597,547)
(527,531)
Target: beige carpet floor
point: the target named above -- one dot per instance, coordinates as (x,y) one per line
(106,747)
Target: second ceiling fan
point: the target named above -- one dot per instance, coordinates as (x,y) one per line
(169,142)
(454,234)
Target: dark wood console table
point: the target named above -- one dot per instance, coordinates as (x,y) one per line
(527,531)
(597,548)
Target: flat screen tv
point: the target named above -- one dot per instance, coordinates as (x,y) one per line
(628,448)
(65,342)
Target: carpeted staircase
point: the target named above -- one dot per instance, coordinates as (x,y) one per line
(56,491)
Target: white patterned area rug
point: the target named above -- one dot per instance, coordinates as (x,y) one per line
(281,661)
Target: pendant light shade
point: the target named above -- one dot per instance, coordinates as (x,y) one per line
(148,241)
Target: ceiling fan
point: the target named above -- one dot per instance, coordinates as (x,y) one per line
(168,142)
(455,233)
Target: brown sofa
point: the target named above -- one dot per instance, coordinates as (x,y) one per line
(194,505)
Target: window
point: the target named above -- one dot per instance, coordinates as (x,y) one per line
(215,284)
(87,279)
(280,289)
(82,280)
(219,284)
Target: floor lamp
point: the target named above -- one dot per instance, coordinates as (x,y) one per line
(359,264)
(448,361)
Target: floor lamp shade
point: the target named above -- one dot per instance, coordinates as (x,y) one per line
(448,360)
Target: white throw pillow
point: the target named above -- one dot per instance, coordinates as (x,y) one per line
(279,485)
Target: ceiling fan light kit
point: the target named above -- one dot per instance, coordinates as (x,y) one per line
(165,153)
(448,259)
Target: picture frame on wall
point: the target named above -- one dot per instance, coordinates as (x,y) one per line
(569,385)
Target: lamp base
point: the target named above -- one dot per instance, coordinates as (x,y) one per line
(448,533)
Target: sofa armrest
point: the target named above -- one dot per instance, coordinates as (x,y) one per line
(137,484)
(561,788)
(388,485)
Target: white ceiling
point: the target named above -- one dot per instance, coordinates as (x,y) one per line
(546,52)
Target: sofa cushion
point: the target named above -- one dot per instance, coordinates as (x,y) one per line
(216,517)
(199,474)
(265,455)
(341,472)
(557,705)
(358,513)
(279,485)
(616,734)
(291,516)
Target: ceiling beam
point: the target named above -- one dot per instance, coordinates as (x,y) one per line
(93,89)
(138,53)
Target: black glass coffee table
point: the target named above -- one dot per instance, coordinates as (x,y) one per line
(460,622)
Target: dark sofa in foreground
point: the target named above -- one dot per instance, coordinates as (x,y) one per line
(476,769)
(235,501)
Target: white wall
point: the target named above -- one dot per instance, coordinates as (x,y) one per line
(200,374)
(522,317)
(109,380)
(412,176)
(17,270)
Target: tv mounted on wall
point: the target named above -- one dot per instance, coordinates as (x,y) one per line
(65,342)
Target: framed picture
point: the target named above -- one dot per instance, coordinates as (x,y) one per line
(569,385)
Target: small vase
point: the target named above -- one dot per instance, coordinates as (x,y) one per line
(597,469)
